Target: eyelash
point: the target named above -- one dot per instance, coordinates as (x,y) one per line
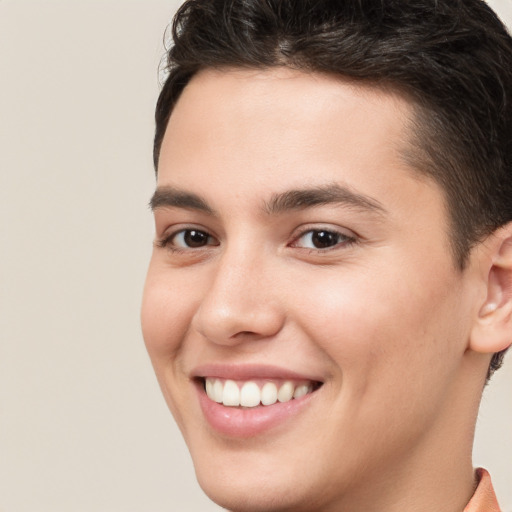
(344,240)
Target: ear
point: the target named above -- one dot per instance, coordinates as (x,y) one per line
(492,331)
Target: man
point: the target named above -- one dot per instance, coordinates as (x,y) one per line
(331,283)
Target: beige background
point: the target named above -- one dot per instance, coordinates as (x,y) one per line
(82,423)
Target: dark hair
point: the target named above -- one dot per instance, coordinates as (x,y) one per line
(453,58)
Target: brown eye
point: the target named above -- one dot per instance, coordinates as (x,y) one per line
(195,238)
(192,239)
(322,239)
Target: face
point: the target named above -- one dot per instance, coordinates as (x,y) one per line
(302,310)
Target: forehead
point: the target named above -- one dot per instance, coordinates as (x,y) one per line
(286,100)
(249,129)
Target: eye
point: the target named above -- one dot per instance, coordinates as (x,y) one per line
(189,239)
(321,239)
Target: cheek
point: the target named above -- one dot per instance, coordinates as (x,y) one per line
(165,313)
(165,317)
(385,328)
(390,346)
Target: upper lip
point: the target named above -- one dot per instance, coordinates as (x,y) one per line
(250,371)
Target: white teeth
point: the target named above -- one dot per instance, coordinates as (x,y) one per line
(285,393)
(301,390)
(249,394)
(269,393)
(218,389)
(231,394)
(209,387)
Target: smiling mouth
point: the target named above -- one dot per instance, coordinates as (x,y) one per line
(255,393)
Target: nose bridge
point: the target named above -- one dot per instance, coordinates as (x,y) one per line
(239,301)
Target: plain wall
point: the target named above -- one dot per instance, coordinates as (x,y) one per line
(82,424)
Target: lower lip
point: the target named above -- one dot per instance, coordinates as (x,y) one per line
(249,422)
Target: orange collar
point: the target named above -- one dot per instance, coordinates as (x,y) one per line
(484,499)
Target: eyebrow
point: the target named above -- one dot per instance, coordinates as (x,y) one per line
(290,200)
(332,194)
(171,197)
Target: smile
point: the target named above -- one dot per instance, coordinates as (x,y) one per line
(241,401)
(254,393)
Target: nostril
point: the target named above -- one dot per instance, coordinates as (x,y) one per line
(245,334)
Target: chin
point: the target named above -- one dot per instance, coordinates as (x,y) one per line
(252,479)
(253,494)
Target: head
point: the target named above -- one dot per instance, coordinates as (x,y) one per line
(452,59)
(377,138)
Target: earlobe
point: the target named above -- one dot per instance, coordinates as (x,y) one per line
(492,331)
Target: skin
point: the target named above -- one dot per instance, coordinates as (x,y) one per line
(384,317)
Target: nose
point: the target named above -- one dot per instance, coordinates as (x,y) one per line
(240,302)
